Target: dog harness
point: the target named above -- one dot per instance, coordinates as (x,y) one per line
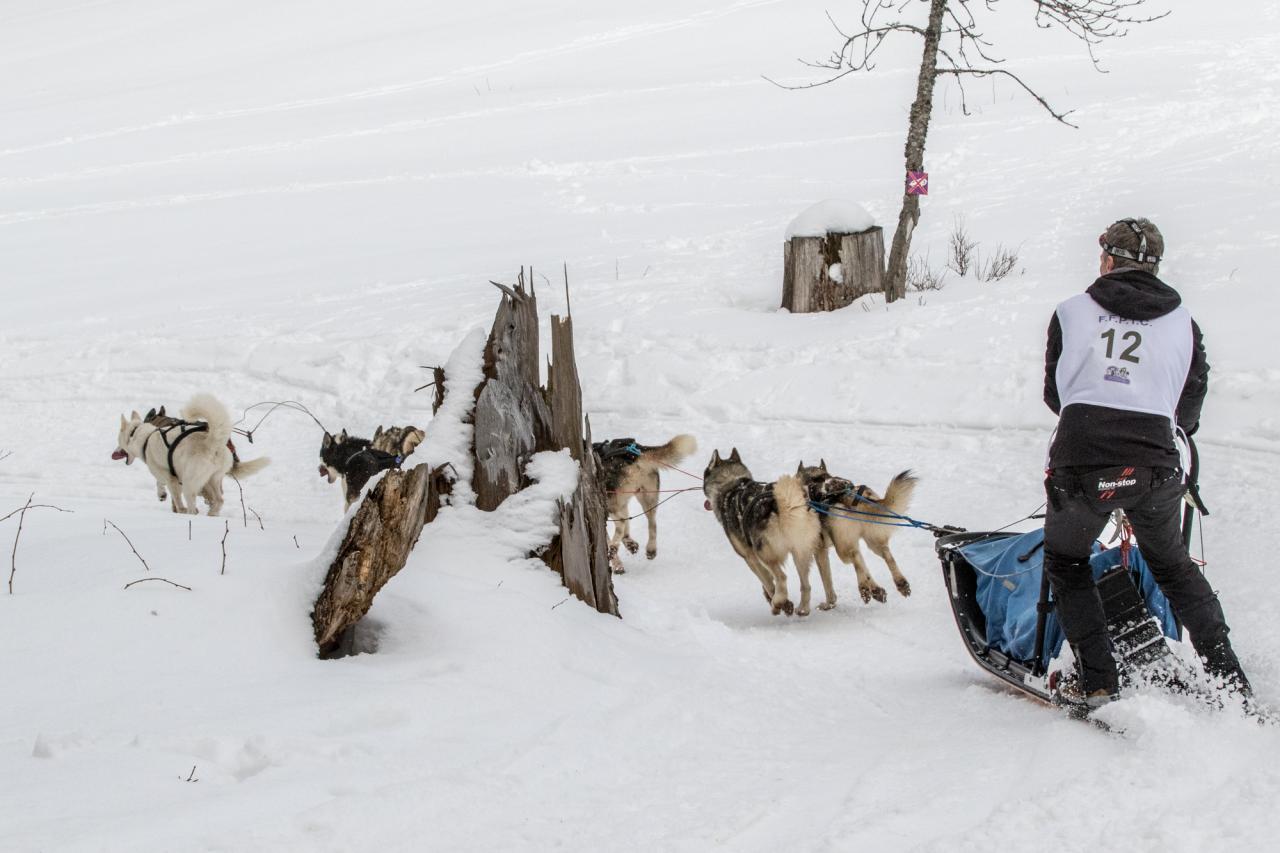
(185,428)
(381,458)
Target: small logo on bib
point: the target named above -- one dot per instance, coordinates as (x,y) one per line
(1117,374)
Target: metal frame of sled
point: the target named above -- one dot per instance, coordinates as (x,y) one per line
(1135,634)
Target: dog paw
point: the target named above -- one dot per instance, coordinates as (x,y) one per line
(162,497)
(802,611)
(787,607)
(879,594)
(650,553)
(827,605)
(633,547)
(904,588)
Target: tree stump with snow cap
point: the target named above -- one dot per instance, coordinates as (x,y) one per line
(834,254)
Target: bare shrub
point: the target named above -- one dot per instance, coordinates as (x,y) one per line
(921,276)
(960,249)
(1000,264)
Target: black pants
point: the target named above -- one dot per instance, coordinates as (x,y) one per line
(1074,522)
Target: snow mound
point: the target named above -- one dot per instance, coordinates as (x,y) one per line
(832,216)
(449,435)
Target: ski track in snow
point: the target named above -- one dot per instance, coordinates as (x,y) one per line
(322,245)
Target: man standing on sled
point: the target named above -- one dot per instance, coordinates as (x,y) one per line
(1125,366)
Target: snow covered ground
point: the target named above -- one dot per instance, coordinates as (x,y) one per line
(277,201)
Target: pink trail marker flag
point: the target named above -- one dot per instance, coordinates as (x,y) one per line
(917,183)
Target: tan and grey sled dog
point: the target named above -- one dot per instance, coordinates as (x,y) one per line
(766,523)
(859,515)
(190,457)
(630,470)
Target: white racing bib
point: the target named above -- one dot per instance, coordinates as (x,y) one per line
(1112,361)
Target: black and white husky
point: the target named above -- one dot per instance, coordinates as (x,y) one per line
(630,470)
(766,523)
(857,514)
(355,461)
(188,457)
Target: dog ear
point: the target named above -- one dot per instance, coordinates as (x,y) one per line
(715,455)
(151,414)
(123,422)
(343,436)
(822,463)
(134,416)
(800,468)
(327,443)
(377,433)
(733,455)
(162,414)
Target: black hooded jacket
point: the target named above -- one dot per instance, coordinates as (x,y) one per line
(1096,435)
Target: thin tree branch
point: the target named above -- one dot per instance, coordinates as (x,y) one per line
(226,528)
(166,580)
(24,508)
(991,72)
(126,538)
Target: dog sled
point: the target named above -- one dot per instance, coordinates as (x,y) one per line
(1003,605)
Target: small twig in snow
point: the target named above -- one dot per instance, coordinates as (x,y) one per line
(191,777)
(295,542)
(166,580)
(24,508)
(261,526)
(244,516)
(554,606)
(226,528)
(126,538)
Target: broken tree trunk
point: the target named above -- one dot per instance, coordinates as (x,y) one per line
(516,418)
(580,554)
(378,541)
(512,420)
(830,272)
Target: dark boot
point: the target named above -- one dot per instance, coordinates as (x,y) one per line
(1083,621)
(1208,628)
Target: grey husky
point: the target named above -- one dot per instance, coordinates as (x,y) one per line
(765,523)
(858,515)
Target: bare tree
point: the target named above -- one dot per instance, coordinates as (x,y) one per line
(954,44)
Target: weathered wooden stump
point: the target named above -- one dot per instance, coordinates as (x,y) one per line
(516,418)
(377,543)
(581,553)
(513,418)
(831,271)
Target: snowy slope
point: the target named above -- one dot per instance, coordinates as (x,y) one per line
(274,201)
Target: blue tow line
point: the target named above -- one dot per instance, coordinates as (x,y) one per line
(865,517)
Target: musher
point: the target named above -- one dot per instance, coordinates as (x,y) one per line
(1125,366)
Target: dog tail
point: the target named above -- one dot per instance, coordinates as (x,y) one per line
(207,408)
(672,452)
(800,525)
(249,467)
(898,496)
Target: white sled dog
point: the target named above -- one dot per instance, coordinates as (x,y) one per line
(190,457)
(765,522)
